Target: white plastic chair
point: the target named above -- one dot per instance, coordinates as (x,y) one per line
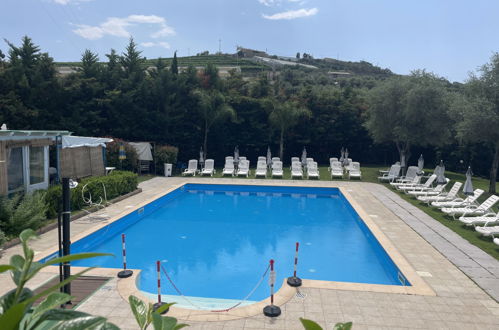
(336,170)
(209,167)
(277,168)
(228,168)
(296,170)
(261,168)
(354,171)
(192,168)
(243,169)
(312,170)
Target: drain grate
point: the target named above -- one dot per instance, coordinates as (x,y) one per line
(300,294)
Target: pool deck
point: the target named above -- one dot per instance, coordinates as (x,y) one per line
(464,279)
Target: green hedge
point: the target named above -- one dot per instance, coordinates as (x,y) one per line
(117,183)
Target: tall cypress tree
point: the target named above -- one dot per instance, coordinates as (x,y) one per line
(174,66)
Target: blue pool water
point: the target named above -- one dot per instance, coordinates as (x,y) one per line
(215,241)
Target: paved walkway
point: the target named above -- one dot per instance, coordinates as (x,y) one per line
(459,302)
(474,262)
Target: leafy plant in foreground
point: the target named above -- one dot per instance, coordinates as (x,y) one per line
(145,315)
(16,306)
(311,325)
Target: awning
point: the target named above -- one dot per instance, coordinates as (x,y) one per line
(143,150)
(83,141)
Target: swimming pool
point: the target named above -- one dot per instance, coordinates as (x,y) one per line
(215,241)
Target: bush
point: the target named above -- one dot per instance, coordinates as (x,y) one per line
(112,156)
(2,239)
(22,211)
(117,183)
(164,154)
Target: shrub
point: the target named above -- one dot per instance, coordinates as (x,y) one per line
(117,183)
(2,239)
(164,154)
(112,156)
(22,212)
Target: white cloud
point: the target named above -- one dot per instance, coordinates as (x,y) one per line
(156,44)
(118,27)
(292,14)
(270,3)
(66,2)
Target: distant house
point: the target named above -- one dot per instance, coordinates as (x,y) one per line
(246,52)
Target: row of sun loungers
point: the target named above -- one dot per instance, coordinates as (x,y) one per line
(310,171)
(466,210)
(338,169)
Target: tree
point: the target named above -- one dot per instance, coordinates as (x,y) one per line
(132,62)
(174,66)
(409,111)
(283,116)
(90,64)
(213,109)
(477,112)
(298,55)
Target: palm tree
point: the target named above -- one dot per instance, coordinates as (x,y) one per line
(213,109)
(283,116)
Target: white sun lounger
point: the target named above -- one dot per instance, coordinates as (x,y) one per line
(459,202)
(409,178)
(428,191)
(336,170)
(483,208)
(229,167)
(296,170)
(391,175)
(444,196)
(192,168)
(496,241)
(209,167)
(354,171)
(488,230)
(243,169)
(262,158)
(331,160)
(485,220)
(312,171)
(276,159)
(277,168)
(424,186)
(261,168)
(295,159)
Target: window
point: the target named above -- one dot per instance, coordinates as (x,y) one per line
(36,165)
(15,171)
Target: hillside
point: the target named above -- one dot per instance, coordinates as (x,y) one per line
(249,66)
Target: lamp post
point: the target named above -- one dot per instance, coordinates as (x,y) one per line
(64,228)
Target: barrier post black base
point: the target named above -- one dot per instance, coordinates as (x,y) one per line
(125,273)
(272,311)
(294,281)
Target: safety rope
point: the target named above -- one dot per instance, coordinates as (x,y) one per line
(221,310)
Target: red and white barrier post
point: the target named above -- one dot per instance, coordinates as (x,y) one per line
(125,272)
(272,310)
(159,303)
(294,280)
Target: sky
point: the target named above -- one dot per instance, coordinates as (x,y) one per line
(447,37)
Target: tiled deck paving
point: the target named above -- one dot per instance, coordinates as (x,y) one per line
(460,303)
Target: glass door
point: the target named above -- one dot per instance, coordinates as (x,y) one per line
(15,169)
(38,168)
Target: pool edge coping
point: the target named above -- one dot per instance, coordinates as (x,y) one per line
(127,287)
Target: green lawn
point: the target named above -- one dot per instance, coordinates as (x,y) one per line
(370,174)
